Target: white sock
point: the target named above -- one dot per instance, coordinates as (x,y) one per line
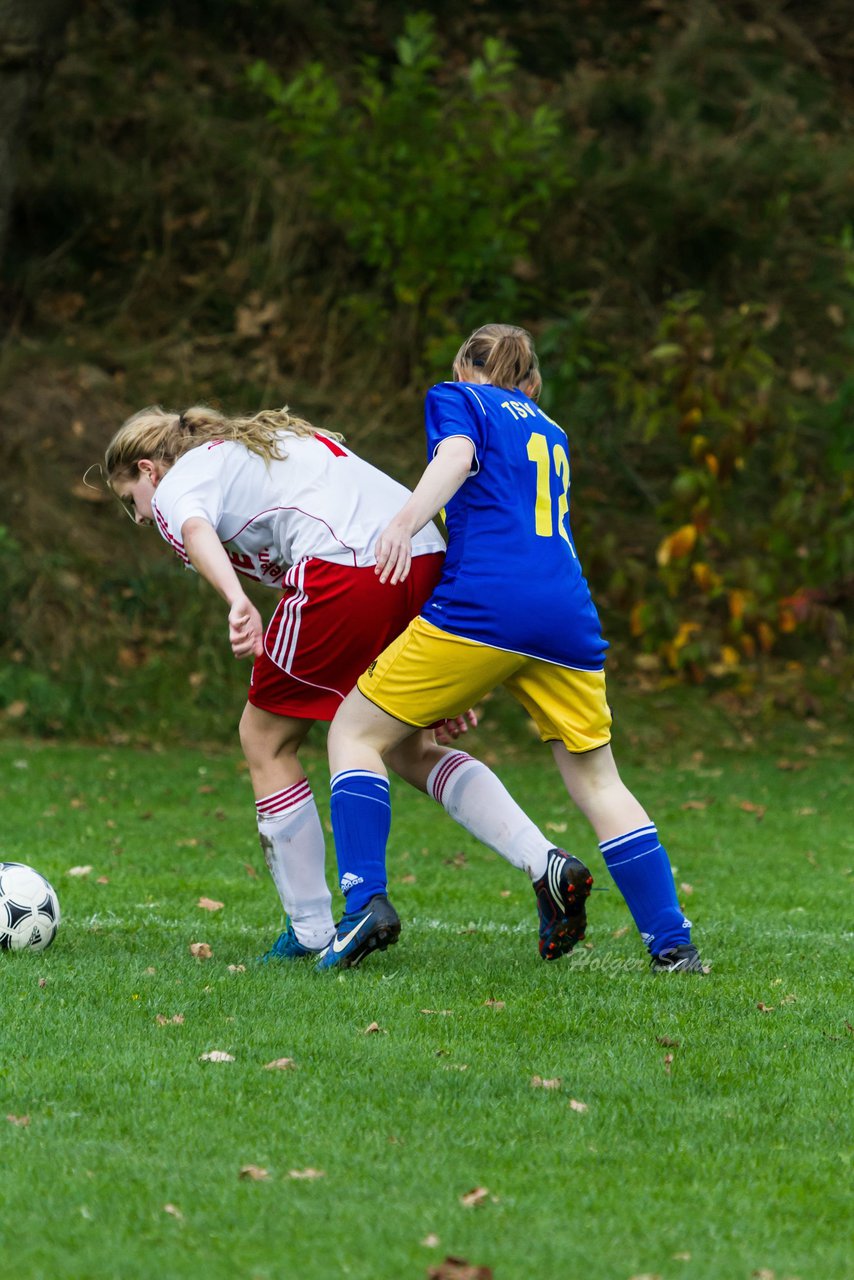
(474,797)
(293,844)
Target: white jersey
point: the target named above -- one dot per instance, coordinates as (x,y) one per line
(320,501)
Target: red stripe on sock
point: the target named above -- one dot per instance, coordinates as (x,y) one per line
(446,769)
(281,801)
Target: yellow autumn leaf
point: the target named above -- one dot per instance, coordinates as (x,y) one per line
(765,636)
(677,545)
(686,632)
(738,601)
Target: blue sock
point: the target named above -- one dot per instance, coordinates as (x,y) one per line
(641,871)
(361,821)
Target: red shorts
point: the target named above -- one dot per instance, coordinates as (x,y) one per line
(330,624)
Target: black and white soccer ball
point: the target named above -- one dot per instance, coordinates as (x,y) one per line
(29,909)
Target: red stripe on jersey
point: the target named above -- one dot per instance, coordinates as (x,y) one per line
(332,445)
(177,547)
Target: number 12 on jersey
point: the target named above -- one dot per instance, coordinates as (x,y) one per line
(544,460)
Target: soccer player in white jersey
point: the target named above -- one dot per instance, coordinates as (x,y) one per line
(274,499)
(512,607)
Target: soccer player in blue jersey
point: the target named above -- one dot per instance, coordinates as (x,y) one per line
(512,607)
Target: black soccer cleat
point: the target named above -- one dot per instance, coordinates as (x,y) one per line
(562,895)
(683,958)
(374,928)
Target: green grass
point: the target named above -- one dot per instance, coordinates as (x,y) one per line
(736,1152)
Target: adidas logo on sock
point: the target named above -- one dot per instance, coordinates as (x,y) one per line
(349,882)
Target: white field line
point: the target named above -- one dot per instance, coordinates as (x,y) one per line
(148,915)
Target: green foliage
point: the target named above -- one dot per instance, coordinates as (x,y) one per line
(437,177)
(660,192)
(742,552)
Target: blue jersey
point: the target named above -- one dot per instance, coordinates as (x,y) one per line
(511,577)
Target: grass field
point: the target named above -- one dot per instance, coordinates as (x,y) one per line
(696,1128)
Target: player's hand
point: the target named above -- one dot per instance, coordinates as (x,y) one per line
(245,629)
(447,731)
(394,554)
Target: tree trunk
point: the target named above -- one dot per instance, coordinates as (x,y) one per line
(30,41)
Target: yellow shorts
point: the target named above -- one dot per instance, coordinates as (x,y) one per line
(427,674)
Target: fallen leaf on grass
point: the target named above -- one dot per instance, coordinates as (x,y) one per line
(764,1273)
(280,1064)
(765,1008)
(216,1055)
(253,1173)
(237,968)
(42,982)
(306,1175)
(250,870)
(456,1066)
(150,969)
(162,1021)
(687,889)
(475,1198)
(621,932)
(537,1082)
(647,1275)
(410,879)
(20,1121)
(695,804)
(210,904)
(458,1269)
(793,765)
(681,1257)
(374,1028)
(201,950)
(667,1043)
(505,893)
(173,1211)
(443,1013)
(668,1060)
(494,1004)
(78,871)
(103,880)
(431,1241)
(575,1105)
(748,807)
(848,1027)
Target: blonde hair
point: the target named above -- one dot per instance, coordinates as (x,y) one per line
(164,437)
(502,354)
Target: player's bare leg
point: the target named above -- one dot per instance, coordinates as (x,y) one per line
(289,829)
(595,786)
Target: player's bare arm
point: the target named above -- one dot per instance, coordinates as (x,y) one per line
(209,557)
(440,481)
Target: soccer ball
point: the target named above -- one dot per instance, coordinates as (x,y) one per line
(29,909)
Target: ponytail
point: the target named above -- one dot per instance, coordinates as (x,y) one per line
(503,355)
(164,437)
